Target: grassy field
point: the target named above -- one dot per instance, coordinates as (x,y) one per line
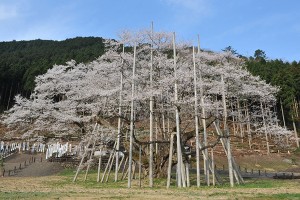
(62,187)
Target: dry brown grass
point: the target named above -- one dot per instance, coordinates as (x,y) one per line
(62,187)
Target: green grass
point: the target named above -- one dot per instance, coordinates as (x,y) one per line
(262,183)
(285,196)
(91,182)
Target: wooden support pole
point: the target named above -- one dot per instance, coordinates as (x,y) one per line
(83,156)
(196,121)
(120,164)
(295,131)
(248,126)
(110,166)
(295,114)
(119,123)
(188,184)
(183,172)
(229,156)
(179,158)
(90,160)
(133,170)
(213,167)
(235,167)
(140,165)
(151,114)
(240,119)
(170,160)
(110,159)
(99,166)
(217,176)
(265,127)
(124,167)
(131,119)
(203,116)
(282,113)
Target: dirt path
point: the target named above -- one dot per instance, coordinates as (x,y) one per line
(31,165)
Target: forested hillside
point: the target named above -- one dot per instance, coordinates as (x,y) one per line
(286,75)
(21,61)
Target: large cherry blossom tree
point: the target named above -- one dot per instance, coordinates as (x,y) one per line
(70,98)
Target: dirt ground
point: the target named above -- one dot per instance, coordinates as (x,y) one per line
(41,167)
(32,165)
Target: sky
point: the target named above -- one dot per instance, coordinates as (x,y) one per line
(246,25)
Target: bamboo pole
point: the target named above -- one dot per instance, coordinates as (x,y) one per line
(131,119)
(196,121)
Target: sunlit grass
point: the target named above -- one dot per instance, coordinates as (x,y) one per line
(62,186)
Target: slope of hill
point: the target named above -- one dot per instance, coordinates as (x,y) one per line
(21,61)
